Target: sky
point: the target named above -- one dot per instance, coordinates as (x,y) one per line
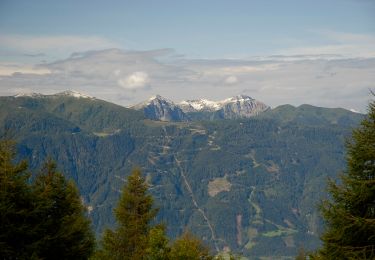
(297,52)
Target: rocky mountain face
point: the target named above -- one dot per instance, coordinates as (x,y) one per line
(242,107)
(159,108)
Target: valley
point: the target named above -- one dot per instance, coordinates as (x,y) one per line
(249,185)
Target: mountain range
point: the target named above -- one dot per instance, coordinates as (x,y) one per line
(250,183)
(241,106)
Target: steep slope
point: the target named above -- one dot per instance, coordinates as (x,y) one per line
(159,108)
(250,185)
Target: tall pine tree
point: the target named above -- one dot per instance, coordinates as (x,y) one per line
(16,206)
(40,220)
(64,229)
(350,214)
(134,214)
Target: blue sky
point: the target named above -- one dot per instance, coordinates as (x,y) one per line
(213,29)
(34,35)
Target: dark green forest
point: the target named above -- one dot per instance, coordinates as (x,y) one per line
(251,186)
(46,219)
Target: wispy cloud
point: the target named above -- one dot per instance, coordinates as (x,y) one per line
(348,45)
(40,54)
(55,46)
(9,69)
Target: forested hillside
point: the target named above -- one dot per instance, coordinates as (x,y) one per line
(248,185)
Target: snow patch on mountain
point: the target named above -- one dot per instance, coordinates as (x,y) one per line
(68,93)
(238,106)
(72,93)
(199,105)
(354,111)
(30,94)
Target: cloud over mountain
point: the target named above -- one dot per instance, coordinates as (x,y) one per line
(127,77)
(136,80)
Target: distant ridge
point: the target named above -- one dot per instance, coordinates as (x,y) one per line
(241,106)
(69,93)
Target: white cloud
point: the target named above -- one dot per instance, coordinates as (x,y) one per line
(136,80)
(231,80)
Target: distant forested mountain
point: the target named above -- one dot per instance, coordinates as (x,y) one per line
(250,185)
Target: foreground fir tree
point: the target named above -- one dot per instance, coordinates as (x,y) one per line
(134,214)
(350,214)
(135,238)
(157,248)
(16,206)
(188,247)
(64,231)
(44,219)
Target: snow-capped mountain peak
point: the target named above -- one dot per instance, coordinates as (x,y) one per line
(238,98)
(157,99)
(234,107)
(160,108)
(242,106)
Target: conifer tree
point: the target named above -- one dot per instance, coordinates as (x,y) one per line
(188,247)
(42,220)
(134,214)
(16,206)
(350,214)
(64,231)
(157,248)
